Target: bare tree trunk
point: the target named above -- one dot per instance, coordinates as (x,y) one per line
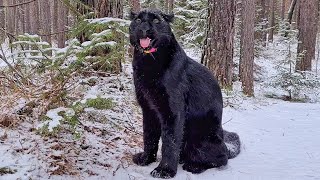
(308,18)
(34,17)
(170,6)
(283,9)
(18,18)
(297,13)
(11,22)
(218,47)
(135,5)
(113,8)
(46,20)
(271,19)
(55,15)
(62,11)
(27,18)
(2,17)
(247,46)
(291,10)
(166,6)
(261,17)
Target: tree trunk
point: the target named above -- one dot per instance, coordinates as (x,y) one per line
(63,13)
(296,13)
(271,19)
(27,18)
(110,8)
(170,6)
(283,9)
(135,5)
(218,47)
(55,19)
(307,20)
(34,17)
(2,18)
(46,20)
(291,10)
(261,35)
(11,19)
(247,47)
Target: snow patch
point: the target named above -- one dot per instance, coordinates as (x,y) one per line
(55,118)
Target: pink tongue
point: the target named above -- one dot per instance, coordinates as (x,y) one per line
(144,43)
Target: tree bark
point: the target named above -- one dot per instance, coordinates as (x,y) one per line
(63,13)
(46,20)
(110,8)
(218,47)
(283,9)
(291,10)
(271,19)
(55,19)
(170,6)
(247,47)
(307,20)
(27,18)
(135,5)
(34,17)
(261,17)
(2,16)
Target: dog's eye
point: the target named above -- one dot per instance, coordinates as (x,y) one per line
(156,21)
(138,20)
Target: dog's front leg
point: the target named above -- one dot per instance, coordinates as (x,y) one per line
(172,122)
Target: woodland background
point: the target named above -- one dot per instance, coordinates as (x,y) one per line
(66,78)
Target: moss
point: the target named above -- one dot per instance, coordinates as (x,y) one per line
(78,107)
(100,103)
(45,118)
(44,131)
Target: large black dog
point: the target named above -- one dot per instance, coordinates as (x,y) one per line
(180,100)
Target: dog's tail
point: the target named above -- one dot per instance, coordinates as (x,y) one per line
(232,142)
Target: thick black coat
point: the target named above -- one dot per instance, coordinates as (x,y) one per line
(180,100)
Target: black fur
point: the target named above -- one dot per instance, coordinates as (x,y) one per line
(180,100)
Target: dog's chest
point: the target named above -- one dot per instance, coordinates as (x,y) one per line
(151,88)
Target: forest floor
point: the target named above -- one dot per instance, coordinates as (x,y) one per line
(280,139)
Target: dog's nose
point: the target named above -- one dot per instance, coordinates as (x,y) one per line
(144,32)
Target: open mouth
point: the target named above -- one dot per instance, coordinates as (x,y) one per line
(145,43)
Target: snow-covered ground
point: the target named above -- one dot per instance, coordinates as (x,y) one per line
(280,139)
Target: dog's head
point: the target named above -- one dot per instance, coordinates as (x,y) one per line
(150,29)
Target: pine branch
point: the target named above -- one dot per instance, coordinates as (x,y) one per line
(13,37)
(4,59)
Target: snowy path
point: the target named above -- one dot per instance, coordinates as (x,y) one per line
(281,141)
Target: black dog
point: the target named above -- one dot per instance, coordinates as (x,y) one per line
(180,100)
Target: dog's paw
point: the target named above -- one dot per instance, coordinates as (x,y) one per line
(163,172)
(194,169)
(143,159)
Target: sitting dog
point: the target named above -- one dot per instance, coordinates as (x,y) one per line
(180,99)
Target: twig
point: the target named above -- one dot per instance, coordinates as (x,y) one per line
(3,57)
(227,121)
(14,5)
(13,37)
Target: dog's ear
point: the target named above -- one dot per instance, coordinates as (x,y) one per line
(168,17)
(133,15)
